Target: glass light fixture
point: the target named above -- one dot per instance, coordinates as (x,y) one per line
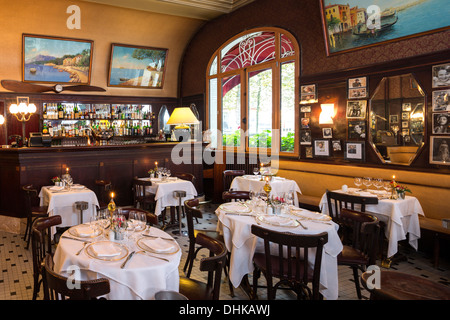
(327,113)
(2,119)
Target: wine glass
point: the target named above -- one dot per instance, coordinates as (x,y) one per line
(357,181)
(387,185)
(289,197)
(367,181)
(255,171)
(142,220)
(168,173)
(378,183)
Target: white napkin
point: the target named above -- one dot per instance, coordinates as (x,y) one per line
(56,188)
(77,187)
(278,221)
(84,231)
(156,179)
(365,194)
(105,250)
(310,215)
(158,245)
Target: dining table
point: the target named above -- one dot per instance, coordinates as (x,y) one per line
(163,189)
(401,216)
(280,185)
(235,220)
(61,201)
(137,267)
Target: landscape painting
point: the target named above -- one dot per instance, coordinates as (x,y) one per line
(56,60)
(355,24)
(135,66)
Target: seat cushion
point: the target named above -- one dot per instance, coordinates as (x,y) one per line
(352,256)
(194,290)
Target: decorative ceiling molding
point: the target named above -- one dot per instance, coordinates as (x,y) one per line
(198,9)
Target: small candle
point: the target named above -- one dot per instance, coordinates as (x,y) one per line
(156,163)
(112,195)
(67,170)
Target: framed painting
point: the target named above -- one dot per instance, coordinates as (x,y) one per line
(356,24)
(439,150)
(56,60)
(354,150)
(137,66)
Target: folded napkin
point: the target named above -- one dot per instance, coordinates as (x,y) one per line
(84,231)
(309,214)
(156,179)
(77,186)
(365,194)
(158,245)
(56,188)
(279,221)
(105,250)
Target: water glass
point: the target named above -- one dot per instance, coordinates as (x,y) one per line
(255,171)
(357,181)
(367,181)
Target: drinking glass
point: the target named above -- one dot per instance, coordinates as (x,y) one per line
(387,185)
(358,181)
(255,171)
(289,197)
(378,183)
(168,173)
(142,220)
(367,181)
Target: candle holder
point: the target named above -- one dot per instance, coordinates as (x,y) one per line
(111,207)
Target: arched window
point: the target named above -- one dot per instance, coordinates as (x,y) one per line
(252,90)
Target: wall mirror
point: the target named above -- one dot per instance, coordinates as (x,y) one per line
(163,117)
(397,119)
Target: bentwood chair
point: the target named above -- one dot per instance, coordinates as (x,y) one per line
(229,175)
(41,246)
(33,210)
(227,196)
(104,187)
(213,265)
(337,201)
(289,269)
(57,288)
(142,198)
(360,234)
(152,218)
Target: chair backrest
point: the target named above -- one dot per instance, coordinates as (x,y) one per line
(41,243)
(214,264)
(31,195)
(229,175)
(191,213)
(139,189)
(185,176)
(337,201)
(103,188)
(292,259)
(235,195)
(360,231)
(83,290)
(151,217)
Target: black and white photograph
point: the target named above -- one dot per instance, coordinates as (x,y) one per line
(305,109)
(441,123)
(356,129)
(406,106)
(405,115)
(321,148)
(441,100)
(356,109)
(441,75)
(304,123)
(354,150)
(327,133)
(308,94)
(405,124)
(357,93)
(439,150)
(360,82)
(336,145)
(305,137)
(357,88)
(393,118)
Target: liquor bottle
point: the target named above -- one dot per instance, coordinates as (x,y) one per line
(60,111)
(45,129)
(44,111)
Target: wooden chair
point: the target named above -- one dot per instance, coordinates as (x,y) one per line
(337,201)
(197,290)
(360,238)
(41,246)
(229,175)
(59,290)
(142,198)
(104,187)
(227,196)
(185,176)
(152,218)
(289,268)
(33,211)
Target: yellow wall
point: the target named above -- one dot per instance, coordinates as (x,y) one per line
(104,25)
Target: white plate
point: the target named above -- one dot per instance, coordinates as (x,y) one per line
(77,187)
(237,207)
(85,231)
(309,215)
(279,221)
(117,252)
(56,188)
(157,245)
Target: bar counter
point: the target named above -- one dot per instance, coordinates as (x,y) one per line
(117,163)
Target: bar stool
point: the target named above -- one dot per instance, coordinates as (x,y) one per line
(179,194)
(81,205)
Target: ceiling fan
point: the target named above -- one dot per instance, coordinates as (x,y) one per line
(19,86)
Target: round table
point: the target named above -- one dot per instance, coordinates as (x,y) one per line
(142,277)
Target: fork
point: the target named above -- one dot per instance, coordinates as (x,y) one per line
(146,254)
(306,228)
(84,245)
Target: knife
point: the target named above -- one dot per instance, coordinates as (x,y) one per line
(147,235)
(128,259)
(302,225)
(66,237)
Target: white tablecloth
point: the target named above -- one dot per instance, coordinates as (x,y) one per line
(142,277)
(279,185)
(400,216)
(63,203)
(163,191)
(243,244)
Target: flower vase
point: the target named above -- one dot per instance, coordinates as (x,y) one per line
(118,235)
(152,175)
(394,194)
(401,195)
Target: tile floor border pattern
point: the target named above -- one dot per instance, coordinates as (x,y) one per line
(16,278)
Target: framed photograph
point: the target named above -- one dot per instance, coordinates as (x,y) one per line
(56,60)
(356,129)
(305,137)
(137,66)
(354,150)
(305,109)
(405,115)
(327,133)
(441,123)
(353,25)
(22,99)
(393,118)
(406,106)
(405,124)
(304,123)
(439,150)
(336,145)
(356,109)
(441,75)
(441,100)
(405,132)
(357,93)
(308,152)
(357,88)
(321,148)
(308,94)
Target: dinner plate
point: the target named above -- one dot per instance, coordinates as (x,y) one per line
(56,188)
(78,187)
(158,245)
(309,215)
(278,221)
(85,231)
(106,250)
(235,207)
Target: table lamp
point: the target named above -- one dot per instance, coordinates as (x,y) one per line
(181,117)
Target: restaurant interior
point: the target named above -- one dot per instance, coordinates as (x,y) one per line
(225,150)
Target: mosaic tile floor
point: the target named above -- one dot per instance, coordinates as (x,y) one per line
(16,279)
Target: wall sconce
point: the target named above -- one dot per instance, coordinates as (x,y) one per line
(23,113)
(327,113)
(2,119)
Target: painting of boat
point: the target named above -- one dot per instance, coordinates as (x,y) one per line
(388,19)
